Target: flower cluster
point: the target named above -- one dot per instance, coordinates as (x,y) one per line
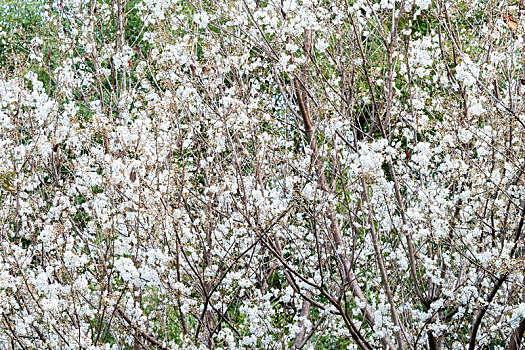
(244,173)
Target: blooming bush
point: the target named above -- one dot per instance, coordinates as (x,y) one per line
(263,174)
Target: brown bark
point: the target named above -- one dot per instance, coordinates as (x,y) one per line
(337,236)
(516,338)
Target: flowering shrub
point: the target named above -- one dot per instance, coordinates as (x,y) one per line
(263,174)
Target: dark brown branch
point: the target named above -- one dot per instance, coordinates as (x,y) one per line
(516,337)
(145,335)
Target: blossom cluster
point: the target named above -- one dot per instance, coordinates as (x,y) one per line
(245,173)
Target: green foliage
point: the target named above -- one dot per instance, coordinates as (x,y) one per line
(20,22)
(6,181)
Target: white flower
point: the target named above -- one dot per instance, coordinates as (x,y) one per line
(467,71)
(423,4)
(309,191)
(518,314)
(127,270)
(201,19)
(322,44)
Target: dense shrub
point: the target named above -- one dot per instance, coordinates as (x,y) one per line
(262,174)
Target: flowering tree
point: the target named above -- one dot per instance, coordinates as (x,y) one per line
(263,174)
